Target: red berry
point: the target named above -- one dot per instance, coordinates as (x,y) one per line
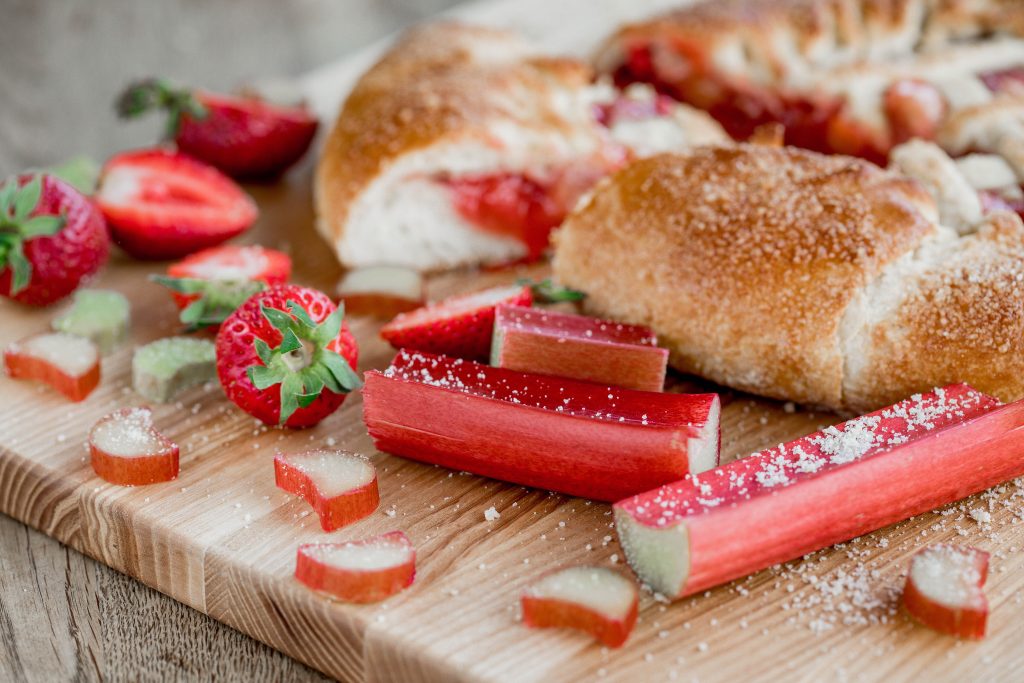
(459,326)
(59,253)
(209,285)
(246,137)
(161,204)
(265,379)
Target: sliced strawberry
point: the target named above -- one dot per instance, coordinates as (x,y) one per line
(341,487)
(286,356)
(595,600)
(944,590)
(209,285)
(359,571)
(51,239)
(161,204)
(69,364)
(458,326)
(246,137)
(127,450)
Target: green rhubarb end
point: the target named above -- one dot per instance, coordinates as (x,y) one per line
(163,369)
(101,315)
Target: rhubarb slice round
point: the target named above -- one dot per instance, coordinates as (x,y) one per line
(944,590)
(341,487)
(595,600)
(68,363)
(369,570)
(127,450)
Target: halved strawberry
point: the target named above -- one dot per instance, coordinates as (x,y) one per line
(458,326)
(462,325)
(286,356)
(209,285)
(161,204)
(51,239)
(246,137)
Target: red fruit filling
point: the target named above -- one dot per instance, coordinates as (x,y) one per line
(510,205)
(912,108)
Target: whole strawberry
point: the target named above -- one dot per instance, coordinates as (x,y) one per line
(287,357)
(245,137)
(51,238)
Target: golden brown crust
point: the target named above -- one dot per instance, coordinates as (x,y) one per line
(743,259)
(962,320)
(442,80)
(820,33)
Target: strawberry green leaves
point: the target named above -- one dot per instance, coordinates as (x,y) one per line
(18,225)
(547,292)
(301,364)
(159,93)
(212,301)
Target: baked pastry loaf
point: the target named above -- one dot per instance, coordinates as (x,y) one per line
(464,146)
(847,76)
(819,279)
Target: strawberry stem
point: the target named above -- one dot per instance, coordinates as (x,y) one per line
(302,364)
(159,93)
(216,299)
(547,292)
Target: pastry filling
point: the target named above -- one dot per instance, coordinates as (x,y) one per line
(510,205)
(911,108)
(527,207)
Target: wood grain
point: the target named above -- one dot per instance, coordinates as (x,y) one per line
(222,538)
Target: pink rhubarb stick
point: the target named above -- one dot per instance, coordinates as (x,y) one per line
(825,488)
(563,435)
(578,347)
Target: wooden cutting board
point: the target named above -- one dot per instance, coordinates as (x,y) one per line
(222,538)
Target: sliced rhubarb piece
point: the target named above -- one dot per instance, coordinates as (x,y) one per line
(100,315)
(825,488)
(458,326)
(381,291)
(944,590)
(596,600)
(341,487)
(163,369)
(578,347)
(551,433)
(68,363)
(127,450)
(359,571)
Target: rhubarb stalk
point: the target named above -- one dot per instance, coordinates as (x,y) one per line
(564,435)
(825,488)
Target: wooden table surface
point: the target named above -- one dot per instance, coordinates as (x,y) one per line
(64,616)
